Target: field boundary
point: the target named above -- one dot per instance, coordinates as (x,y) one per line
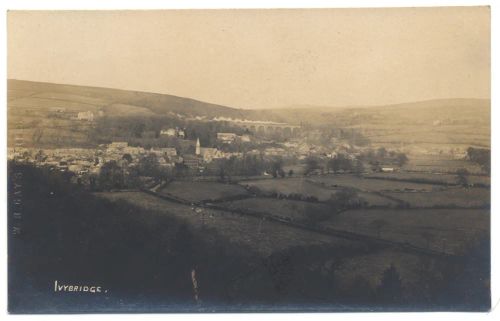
(403,246)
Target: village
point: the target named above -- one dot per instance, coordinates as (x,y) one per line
(297,151)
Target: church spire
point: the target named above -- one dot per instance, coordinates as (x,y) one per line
(198,149)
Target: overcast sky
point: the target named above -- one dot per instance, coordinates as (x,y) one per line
(261,58)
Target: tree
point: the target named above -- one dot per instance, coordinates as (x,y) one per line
(180,170)
(332,165)
(340,162)
(127,157)
(277,167)
(462,176)
(390,289)
(40,156)
(312,164)
(359,291)
(148,165)
(221,170)
(481,156)
(358,167)
(345,198)
(111,176)
(401,159)
(381,152)
(37,135)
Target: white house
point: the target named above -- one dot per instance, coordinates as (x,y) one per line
(85,115)
(226,137)
(171,132)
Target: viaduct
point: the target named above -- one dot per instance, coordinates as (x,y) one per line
(269,127)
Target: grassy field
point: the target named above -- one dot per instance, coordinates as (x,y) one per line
(376,200)
(441,165)
(295,210)
(203,191)
(430,178)
(455,196)
(291,186)
(264,237)
(376,192)
(371,185)
(371,266)
(449,230)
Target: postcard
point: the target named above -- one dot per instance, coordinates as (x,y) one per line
(249,160)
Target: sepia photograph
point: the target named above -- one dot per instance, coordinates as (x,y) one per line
(249,160)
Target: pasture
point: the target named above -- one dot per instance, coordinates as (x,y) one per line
(370,185)
(441,165)
(447,230)
(203,191)
(450,197)
(261,236)
(291,186)
(295,210)
(430,178)
(421,177)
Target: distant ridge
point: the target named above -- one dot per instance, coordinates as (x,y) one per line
(161,104)
(157,103)
(426,124)
(438,101)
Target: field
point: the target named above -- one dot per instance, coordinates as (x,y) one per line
(440,165)
(377,200)
(371,266)
(203,191)
(454,197)
(290,186)
(295,210)
(443,230)
(448,230)
(432,178)
(382,192)
(264,237)
(371,185)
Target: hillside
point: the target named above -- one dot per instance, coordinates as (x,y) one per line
(27,93)
(432,125)
(44,114)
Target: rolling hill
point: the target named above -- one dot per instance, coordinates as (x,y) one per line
(45,112)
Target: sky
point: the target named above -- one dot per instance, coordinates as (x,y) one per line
(261,58)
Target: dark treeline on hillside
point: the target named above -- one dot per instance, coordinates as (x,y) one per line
(145,261)
(145,130)
(480,156)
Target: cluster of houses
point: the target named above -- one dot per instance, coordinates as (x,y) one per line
(188,153)
(90,160)
(85,116)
